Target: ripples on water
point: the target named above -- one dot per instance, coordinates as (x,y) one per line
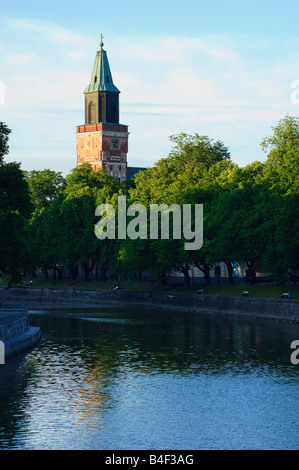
(140,380)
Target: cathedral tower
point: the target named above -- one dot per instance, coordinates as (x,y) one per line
(102,141)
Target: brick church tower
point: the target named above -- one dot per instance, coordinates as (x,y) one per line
(102,141)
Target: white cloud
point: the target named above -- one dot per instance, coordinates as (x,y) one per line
(48,30)
(47,88)
(174,50)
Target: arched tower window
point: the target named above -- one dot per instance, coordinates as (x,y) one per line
(92,113)
(112,111)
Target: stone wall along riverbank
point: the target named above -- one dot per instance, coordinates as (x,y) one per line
(16,333)
(256,307)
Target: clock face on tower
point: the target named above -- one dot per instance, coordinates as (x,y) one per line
(114,143)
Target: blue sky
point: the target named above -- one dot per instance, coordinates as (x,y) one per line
(221,69)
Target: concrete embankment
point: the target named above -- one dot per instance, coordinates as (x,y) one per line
(16,333)
(255,307)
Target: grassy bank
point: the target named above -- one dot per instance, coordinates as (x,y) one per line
(266,290)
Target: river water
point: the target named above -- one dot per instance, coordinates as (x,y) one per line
(116,379)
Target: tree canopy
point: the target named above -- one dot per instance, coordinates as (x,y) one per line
(44,185)
(4,136)
(250,214)
(15,210)
(281,168)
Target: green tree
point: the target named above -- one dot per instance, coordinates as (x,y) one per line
(44,185)
(281,168)
(86,181)
(14,189)
(44,229)
(229,224)
(4,137)
(15,210)
(75,235)
(185,177)
(280,232)
(64,231)
(281,173)
(198,150)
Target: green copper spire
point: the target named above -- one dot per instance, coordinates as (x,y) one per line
(101,79)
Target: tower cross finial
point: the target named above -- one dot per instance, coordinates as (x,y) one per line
(101,43)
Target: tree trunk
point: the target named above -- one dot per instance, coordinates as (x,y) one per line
(74,272)
(206,270)
(250,273)
(54,276)
(60,274)
(163,278)
(104,275)
(230,270)
(185,271)
(86,269)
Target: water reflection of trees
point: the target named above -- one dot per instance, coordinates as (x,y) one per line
(208,345)
(163,342)
(14,379)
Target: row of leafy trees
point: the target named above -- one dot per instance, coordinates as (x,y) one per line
(250,213)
